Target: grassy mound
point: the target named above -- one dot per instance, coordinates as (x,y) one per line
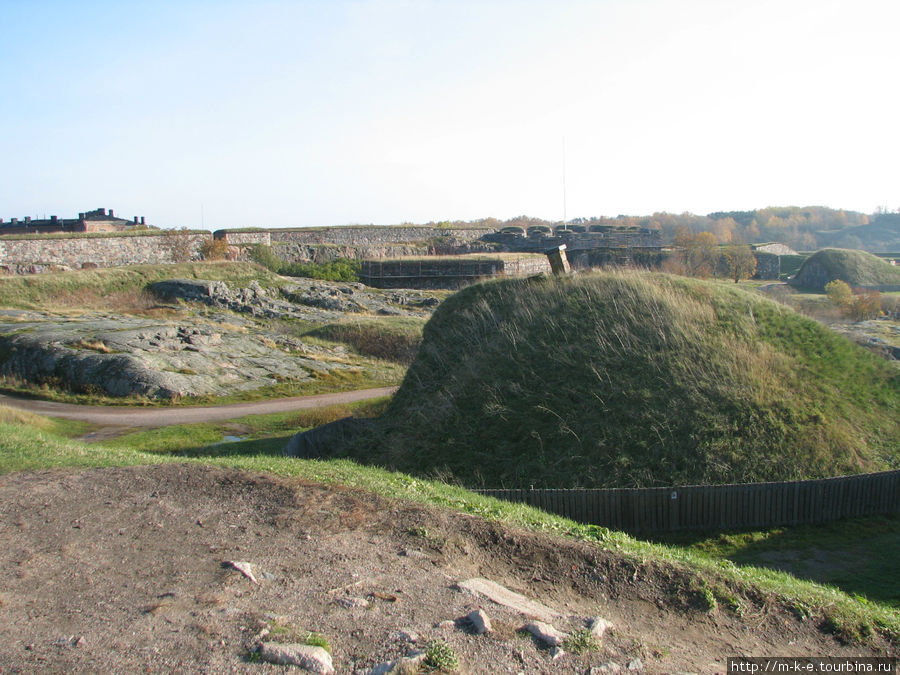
(856,268)
(627,379)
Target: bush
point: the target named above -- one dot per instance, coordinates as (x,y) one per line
(214,249)
(838,292)
(263,255)
(341,269)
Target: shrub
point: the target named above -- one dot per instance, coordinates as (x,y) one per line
(214,249)
(838,292)
(341,269)
(263,255)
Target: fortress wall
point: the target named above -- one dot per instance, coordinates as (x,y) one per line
(350,235)
(26,256)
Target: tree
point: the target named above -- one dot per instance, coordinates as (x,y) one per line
(839,292)
(739,262)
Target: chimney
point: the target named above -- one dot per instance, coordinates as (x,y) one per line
(52,219)
(142,221)
(135,220)
(102,212)
(80,216)
(110,213)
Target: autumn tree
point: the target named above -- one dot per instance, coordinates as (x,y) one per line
(839,292)
(739,262)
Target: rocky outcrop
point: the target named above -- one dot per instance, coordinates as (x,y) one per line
(122,356)
(216,354)
(307,299)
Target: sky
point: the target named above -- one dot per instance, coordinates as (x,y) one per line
(277,113)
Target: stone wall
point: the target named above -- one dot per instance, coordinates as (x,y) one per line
(30,255)
(449,273)
(350,235)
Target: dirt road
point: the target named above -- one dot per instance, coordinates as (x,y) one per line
(124,416)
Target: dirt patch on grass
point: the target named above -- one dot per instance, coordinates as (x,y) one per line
(121,570)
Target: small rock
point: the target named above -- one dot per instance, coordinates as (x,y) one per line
(545,633)
(80,642)
(557,653)
(636,664)
(608,667)
(313,659)
(446,625)
(413,553)
(408,665)
(405,635)
(243,567)
(352,603)
(598,626)
(480,621)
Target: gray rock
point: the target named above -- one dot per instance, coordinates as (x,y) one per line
(124,355)
(480,621)
(313,659)
(352,603)
(408,665)
(608,667)
(544,632)
(598,626)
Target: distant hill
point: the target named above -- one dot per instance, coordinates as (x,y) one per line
(880,236)
(633,379)
(857,268)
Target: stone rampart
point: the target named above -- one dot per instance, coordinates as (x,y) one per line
(350,235)
(30,255)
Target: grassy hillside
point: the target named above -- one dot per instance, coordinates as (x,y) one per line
(627,379)
(87,288)
(857,268)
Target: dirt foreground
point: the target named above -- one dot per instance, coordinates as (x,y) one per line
(121,570)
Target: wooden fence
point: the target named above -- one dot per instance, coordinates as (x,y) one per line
(710,507)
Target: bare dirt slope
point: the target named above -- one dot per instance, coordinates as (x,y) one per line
(120,570)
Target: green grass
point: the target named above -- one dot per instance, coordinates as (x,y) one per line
(259,434)
(24,447)
(859,556)
(634,379)
(391,338)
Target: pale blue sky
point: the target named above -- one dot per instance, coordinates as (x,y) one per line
(382,111)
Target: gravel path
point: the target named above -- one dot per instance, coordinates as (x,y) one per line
(124,416)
